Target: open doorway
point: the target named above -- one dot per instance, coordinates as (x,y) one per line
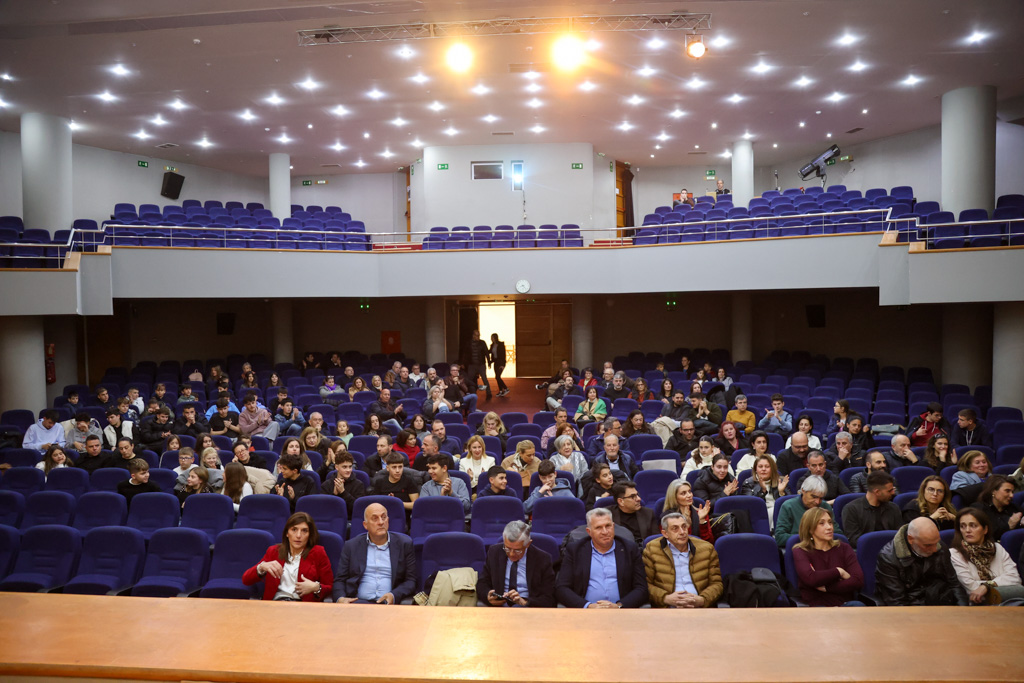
(500,319)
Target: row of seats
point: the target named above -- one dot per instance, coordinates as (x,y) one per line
(186,236)
(973,228)
(548,236)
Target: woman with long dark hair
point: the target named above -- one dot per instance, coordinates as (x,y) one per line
(296,569)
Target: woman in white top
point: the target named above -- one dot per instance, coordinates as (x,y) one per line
(54,458)
(758,447)
(984,568)
(703,455)
(567,458)
(236,483)
(475,461)
(805,424)
(765,483)
(211,461)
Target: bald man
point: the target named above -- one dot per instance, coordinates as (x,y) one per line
(378,567)
(914,568)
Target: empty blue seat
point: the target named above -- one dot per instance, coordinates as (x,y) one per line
(211,514)
(329,512)
(24,480)
(100,508)
(47,557)
(869,546)
(492,513)
(151,512)
(451,549)
(12,508)
(177,562)
(48,507)
(557,516)
(10,543)
(434,515)
(112,559)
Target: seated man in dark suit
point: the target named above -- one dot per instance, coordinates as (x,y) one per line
(378,566)
(629,511)
(516,574)
(601,572)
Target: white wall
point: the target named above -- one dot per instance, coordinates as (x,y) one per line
(654,185)
(603,210)
(1009,158)
(10,174)
(369,197)
(554,192)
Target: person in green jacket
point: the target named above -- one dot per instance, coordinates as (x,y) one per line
(812,495)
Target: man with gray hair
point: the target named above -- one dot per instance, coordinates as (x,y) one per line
(516,574)
(601,571)
(682,571)
(812,495)
(914,568)
(901,452)
(844,453)
(618,389)
(816,466)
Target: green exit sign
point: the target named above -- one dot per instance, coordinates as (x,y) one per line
(143,164)
(307,183)
(710,173)
(577,167)
(830,162)
(442,167)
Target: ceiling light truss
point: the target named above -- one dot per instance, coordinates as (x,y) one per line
(681,21)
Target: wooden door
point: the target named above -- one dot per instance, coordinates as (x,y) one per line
(543,337)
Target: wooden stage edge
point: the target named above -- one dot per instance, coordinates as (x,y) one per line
(108,638)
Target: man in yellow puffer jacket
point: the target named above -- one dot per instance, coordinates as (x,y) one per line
(682,571)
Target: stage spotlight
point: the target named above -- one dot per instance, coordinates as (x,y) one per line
(459,58)
(568,52)
(695,46)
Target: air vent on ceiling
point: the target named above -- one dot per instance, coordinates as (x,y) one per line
(167,145)
(697,153)
(855,130)
(527,67)
(503,132)
(330,165)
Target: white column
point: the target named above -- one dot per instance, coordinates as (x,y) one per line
(284,334)
(280,185)
(742,327)
(22,363)
(966,344)
(434,333)
(742,172)
(582,332)
(969,148)
(1007,352)
(46,172)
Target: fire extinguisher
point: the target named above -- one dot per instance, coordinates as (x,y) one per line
(51,366)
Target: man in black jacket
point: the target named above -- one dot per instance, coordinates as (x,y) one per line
(629,511)
(516,574)
(479,358)
(816,465)
(914,569)
(794,457)
(628,588)
(875,511)
(190,423)
(684,439)
(153,432)
(388,412)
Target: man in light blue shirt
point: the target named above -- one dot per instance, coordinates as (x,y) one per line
(776,420)
(378,566)
(602,571)
(441,484)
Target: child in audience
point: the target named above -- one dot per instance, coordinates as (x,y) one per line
(138,482)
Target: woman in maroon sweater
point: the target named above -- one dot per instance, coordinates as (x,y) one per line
(826,569)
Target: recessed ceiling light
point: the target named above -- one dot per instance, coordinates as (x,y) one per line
(74,126)
(592,44)
(761,67)
(309,126)
(291,168)
(863,111)
(714,124)
(308,84)
(158,120)
(360,163)
(106,96)
(530,75)
(420,78)
(655,43)
(375,94)
(652,156)
(387,153)
(695,83)
(677,113)
(534,103)
(118,70)
(657,147)
(835,97)
(976,37)
(625,125)
(817,111)
(366,135)
(635,100)
(803,82)
(663,137)
(490,118)
(747,135)
(459,58)
(416,143)
(696,146)
(847,39)
(406,52)
(204,143)
(802,124)
(538,129)
(274,99)
(450,131)
(720,41)
(533,87)
(398,121)
(284,138)
(436,106)
(726,154)
(828,135)
(481,89)
(142,135)
(646,71)
(339,111)
(337,146)
(911,80)
(6,77)
(736,98)
(857,66)
(587,86)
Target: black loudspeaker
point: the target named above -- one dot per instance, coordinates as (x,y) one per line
(172,185)
(225,323)
(815,315)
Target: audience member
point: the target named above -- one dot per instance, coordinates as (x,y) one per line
(54,458)
(236,483)
(492,425)
(968,431)
(706,415)
(672,415)
(875,511)
(729,439)
(844,453)
(914,569)
(863,440)
(138,481)
(224,421)
(827,569)
(938,454)
(616,458)
(593,409)
(211,461)
(716,481)
(117,428)
(996,500)
(189,423)
(816,466)
(431,446)
(246,457)
(440,484)
(396,482)
(969,479)
(983,567)
(125,453)
(682,571)
(462,397)
(288,418)
(598,483)
(557,391)
(840,415)
(378,566)
(94,457)
(566,458)
(291,483)
(81,428)
(516,574)
(629,512)
(561,417)
(758,447)
(739,414)
(196,481)
(297,569)
(256,421)
(550,486)
(153,432)
(475,461)
(933,502)
(445,444)
(497,480)
(811,495)
(928,423)
(684,440)
(389,412)
(601,572)
(794,457)
(44,433)
(524,461)
(766,484)
(805,424)
(703,456)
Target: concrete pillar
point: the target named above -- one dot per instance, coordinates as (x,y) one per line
(434,333)
(967,344)
(62,332)
(742,327)
(280,185)
(582,332)
(22,363)
(742,172)
(284,333)
(969,148)
(1007,351)
(46,172)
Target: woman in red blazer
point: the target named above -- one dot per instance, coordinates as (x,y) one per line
(296,568)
